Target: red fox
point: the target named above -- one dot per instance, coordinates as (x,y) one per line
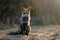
(25,19)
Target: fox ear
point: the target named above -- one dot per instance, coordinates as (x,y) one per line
(29,8)
(22,8)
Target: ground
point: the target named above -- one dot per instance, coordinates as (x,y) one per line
(37,33)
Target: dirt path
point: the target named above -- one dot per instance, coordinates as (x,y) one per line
(36,34)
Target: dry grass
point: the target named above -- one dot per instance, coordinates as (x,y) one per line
(36,34)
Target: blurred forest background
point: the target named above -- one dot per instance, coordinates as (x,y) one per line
(43,12)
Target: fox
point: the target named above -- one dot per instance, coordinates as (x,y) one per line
(25,19)
(25,25)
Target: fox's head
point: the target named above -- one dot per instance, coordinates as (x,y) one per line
(25,10)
